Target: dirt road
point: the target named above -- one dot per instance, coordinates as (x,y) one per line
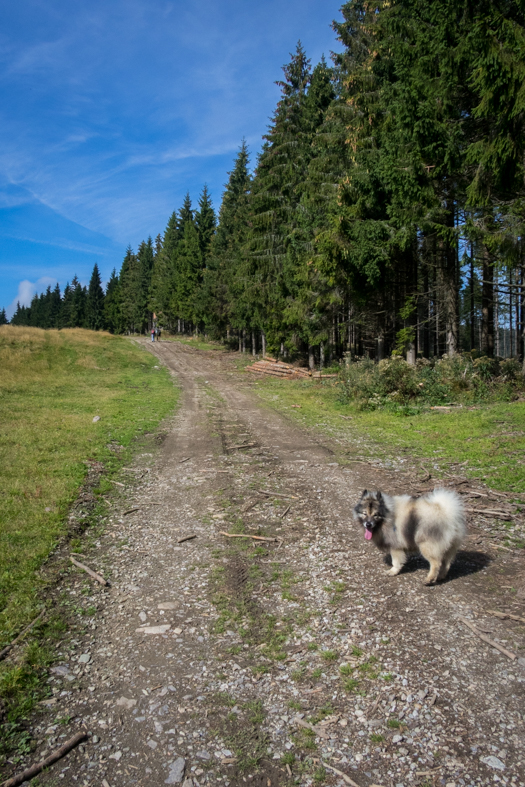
(226,661)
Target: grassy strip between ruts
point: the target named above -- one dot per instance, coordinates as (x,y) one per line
(485,442)
(53,384)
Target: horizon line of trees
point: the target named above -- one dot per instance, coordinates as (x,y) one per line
(385,213)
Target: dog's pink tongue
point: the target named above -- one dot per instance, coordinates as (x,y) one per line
(368,535)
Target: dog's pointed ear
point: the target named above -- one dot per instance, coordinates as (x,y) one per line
(379,496)
(365,492)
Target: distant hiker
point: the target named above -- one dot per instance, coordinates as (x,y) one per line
(153,334)
(158,334)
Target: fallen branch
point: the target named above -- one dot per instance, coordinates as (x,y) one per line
(186,459)
(117,483)
(244,445)
(186,538)
(276,494)
(34,770)
(487,639)
(242,535)
(250,505)
(89,571)
(131,510)
(493,511)
(5,651)
(504,615)
(343,776)
(281,516)
(312,727)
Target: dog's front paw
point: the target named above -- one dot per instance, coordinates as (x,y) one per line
(393,572)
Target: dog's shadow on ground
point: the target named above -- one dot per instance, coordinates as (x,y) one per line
(467,562)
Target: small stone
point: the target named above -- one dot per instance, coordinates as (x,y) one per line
(62,670)
(167,605)
(116,756)
(176,771)
(188,782)
(177,631)
(85,658)
(203,755)
(152,744)
(96,418)
(143,616)
(123,702)
(154,629)
(397,738)
(95,739)
(493,762)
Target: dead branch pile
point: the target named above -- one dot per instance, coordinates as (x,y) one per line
(278,369)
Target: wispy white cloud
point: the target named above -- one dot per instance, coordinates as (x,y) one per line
(26,290)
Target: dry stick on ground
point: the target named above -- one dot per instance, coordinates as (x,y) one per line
(5,651)
(131,510)
(282,516)
(249,506)
(346,778)
(487,639)
(504,615)
(117,483)
(243,445)
(89,571)
(276,494)
(186,538)
(186,459)
(491,511)
(34,770)
(242,535)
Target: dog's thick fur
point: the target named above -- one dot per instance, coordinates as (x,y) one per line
(433,525)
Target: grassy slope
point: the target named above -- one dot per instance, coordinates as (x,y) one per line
(51,386)
(488,439)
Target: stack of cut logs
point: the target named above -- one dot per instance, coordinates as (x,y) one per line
(278,369)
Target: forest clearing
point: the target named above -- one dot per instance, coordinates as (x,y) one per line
(247,633)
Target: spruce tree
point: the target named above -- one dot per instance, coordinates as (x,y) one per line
(112,304)
(95,302)
(3,318)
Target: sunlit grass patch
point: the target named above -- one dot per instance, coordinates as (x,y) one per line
(53,384)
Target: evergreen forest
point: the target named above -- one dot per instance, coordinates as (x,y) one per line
(383,214)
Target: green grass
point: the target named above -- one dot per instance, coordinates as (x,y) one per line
(486,441)
(52,385)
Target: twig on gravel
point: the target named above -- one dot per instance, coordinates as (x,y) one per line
(117,483)
(504,615)
(34,770)
(281,516)
(487,639)
(243,445)
(186,459)
(322,733)
(242,535)
(5,651)
(250,505)
(346,778)
(89,571)
(491,511)
(186,538)
(131,510)
(276,494)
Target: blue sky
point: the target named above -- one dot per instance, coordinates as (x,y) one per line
(110,110)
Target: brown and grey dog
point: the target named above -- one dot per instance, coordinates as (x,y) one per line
(433,525)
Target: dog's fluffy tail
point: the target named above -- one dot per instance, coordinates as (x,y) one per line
(452,507)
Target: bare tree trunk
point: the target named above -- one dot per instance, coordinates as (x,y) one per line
(240,342)
(263,337)
(244,340)
(321,356)
(472,336)
(487,305)
(311,359)
(254,347)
